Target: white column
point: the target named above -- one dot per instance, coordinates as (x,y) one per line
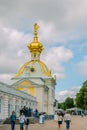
(40,98)
(13,103)
(50,101)
(5,107)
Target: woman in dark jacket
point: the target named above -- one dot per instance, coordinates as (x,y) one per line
(13,120)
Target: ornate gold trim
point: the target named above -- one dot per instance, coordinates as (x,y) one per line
(47,72)
(43,67)
(22,69)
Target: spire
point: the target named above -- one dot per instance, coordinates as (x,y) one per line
(36,27)
(35,47)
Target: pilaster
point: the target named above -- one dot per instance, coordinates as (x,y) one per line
(13,103)
(5,106)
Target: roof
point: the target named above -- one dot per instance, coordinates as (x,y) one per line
(34,69)
(8,90)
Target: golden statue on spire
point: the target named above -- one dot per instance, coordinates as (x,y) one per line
(36,27)
(35,46)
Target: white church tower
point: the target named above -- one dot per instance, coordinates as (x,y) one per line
(35,78)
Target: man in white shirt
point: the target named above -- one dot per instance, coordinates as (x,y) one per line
(67,119)
(22,120)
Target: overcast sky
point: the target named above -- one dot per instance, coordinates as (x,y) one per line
(63,33)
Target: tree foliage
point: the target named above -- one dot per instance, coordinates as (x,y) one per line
(81,97)
(80,100)
(61,106)
(69,103)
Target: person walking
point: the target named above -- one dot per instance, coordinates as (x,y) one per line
(13,120)
(26,123)
(67,119)
(60,120)
(36,114)
(21,121)
(56,116)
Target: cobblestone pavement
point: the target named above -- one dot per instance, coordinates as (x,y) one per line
(77,123)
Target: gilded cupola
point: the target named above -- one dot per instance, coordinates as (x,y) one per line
(35,47)
(35,67)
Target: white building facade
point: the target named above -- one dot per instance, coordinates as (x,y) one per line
(34,85)
(12,99)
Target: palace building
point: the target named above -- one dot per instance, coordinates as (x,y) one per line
(34,85)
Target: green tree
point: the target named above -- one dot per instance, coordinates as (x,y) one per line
(69,103)
(61,105)
(81,97)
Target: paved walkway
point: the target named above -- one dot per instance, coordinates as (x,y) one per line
(78,123)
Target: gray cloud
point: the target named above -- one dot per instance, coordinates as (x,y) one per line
(12,50)
(59,18)
(67,16)
(55,57)
(62,95)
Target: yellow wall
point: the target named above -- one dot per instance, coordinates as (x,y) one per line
(31,91)
(26,85)
(21,89)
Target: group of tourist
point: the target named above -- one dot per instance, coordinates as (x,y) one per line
(66,118)
(29,112)
(23,118)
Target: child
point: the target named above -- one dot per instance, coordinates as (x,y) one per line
(26,123)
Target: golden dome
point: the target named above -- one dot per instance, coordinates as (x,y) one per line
(35,46)
(36,65)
